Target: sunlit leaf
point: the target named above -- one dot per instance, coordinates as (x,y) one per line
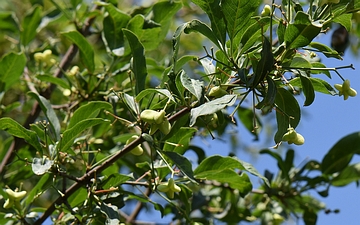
(211,107)
(54,80)
(41,165)
(111,213)
(301,32)
(319,85)
(326,50)
(180,140)
(150,91)
(195,87)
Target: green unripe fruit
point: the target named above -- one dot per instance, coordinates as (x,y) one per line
(152,116)
(165,127)
(266,11)
(138,150)
(217,92)
(163,187)
(290,135)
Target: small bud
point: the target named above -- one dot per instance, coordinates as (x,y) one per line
(266,11)
(217,92)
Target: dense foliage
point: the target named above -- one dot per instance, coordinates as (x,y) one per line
(100,102)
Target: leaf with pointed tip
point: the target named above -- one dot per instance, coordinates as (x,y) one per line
(195,87)
(301,32)
(346,176)
(90,110)
(29,25)
(15,129)
(308,90)
(340,155)
(49,112)
(288,112)
(86,50)
(216,16)
(138,62)
(71,134)
(182,163)
(211,107)
(11,67)
(318,84)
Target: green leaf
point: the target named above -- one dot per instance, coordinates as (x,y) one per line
(86,50)
(346,176)
(8,22)
(238,15)
(11,68)
(182,163)
(115,180)
(301,32)
(150,37)
(310,217)
(308,90)
(182,138)
(344,20)
(111,213)
(319,85)
(71,134)
(340,155)
(252,35)
(49,112)
(222,169)
(164,10)
(327,51)
(265,64)
(113,24)
(138,62)
(211,107)
(90,110)
(202,28)
(247,117)
(288,112)
(280,162)
(319,65)
(45,182)
(54,80)
(150,91)
(29,25)
(195,87)
(216,16)
(300,62)
(131,102)
(41,165)
(15,129)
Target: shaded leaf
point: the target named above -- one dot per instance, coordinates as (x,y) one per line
(340,155)
(113,24)
(115,180)
(182,163)
(8,22)
(90,110)
(15,129)
(319,65)
(71,134)
(86,50)
(11,68)
(131,103)
(181,138)
(138,62)
(29,25)
(45,182)
(211,107)
(348,175)
(247,118)
(54,80)
(49,112)
(308,90)
(287,113)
